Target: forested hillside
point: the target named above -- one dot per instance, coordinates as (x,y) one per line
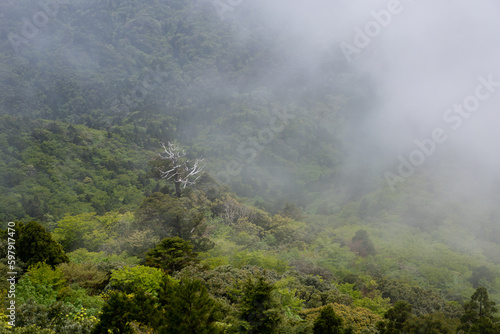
(291,226)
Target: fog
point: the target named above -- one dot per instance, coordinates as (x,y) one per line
(393,70)
(319,121)
(429,56)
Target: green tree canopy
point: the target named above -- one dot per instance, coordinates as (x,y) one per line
(171,255)
(258,309)
(478,313)
(435,323)
(137,277)
(328,322)
(362,244)
(184,307)
(35,244)
(395,317)
(188,308)
(176,167)
(182,217)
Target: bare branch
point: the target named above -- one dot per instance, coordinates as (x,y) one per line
(179,170)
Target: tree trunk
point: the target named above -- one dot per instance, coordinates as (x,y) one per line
(178,189)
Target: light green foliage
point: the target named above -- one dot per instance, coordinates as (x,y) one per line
(333,255)
(370,299)
(43,274)
(139,276)
(288,231)
(79,298)
(101,259)
(4,318)
(42,283)
(136,243)
(94,232)
(74,232)
(266,260)
(286,295)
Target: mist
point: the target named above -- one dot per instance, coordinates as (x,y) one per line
(429,57)
(390,86)
(342,146)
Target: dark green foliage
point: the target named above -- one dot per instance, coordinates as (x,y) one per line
(35,244)
(308,268)
(395,318)
(258,309)
(227,284)
(117,314)
(328,322)
(422,301)
(291,211)
(479,313)
(188,308)
(172,217)
(480,276)
(435,323)
(180,308)
(362,244)
(171,255)
(46,174)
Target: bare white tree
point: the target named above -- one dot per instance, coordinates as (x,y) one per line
(180,171)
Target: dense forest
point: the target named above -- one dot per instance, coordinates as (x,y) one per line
(173,166)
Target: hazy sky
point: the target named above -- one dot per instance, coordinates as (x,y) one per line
(424,58)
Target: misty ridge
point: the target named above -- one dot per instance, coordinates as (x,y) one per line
(354,141)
